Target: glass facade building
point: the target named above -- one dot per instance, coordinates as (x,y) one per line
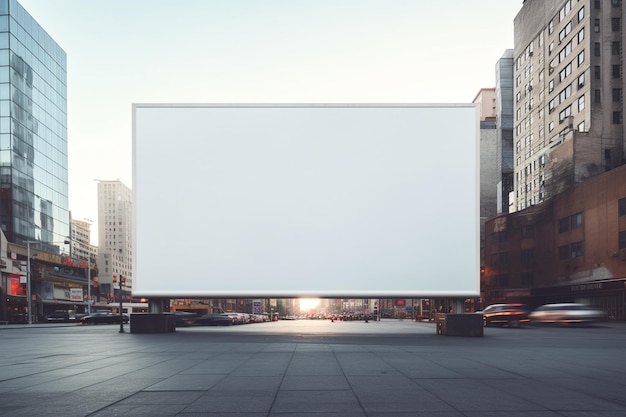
(34,204)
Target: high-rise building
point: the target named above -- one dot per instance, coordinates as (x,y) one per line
(33,131)
(504,129)
(568,95)
(115,237)
(489,176)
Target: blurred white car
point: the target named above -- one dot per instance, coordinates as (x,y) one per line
(567,313)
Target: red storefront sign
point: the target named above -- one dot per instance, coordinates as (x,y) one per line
(15,286)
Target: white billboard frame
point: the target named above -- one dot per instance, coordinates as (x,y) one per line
(410,169)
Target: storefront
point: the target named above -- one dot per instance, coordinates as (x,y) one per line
(607,295)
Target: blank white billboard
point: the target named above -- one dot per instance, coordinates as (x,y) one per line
(288,200)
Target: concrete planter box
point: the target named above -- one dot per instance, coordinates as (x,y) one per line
(152,323)
(459,324)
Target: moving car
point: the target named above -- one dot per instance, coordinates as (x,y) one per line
(184,318)
(59,316)
(215,319)
(104,317)
(512,315)
(566,313)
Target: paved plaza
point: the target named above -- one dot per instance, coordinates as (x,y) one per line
(313,368)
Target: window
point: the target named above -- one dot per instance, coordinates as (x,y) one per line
(566,30)
(597,97)
(550,126)
(581,126)
(564,225)
(527,232)
(565,93)
(596,72)
(550,86)
(617,95)
(622,206)
(576,250)
(581,13)
(581,80)
(596,25)
(616,3)
(616,47)
(596,4)
(527,257)
(581,36)
(616,71)
(616,24)
(581,103)
(563,253)
(563,53)
(617,118)
(501,237)
(499,259)
(596,49)
(622,240)
(565,72)
(581,58)
(576,221)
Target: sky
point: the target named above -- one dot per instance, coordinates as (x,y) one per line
(121,52)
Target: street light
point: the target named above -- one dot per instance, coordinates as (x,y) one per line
(28,289)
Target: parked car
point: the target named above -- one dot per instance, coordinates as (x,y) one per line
(259,318)
(104,317)
(512,315)
(566,313)
(216,319)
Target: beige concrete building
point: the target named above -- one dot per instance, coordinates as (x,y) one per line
(80,240)
(568,96)
(115,236)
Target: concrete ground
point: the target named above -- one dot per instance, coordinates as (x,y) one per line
(313,368)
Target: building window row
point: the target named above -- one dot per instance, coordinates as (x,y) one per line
(500,259)
(575,221)
(565,9)
(571,251)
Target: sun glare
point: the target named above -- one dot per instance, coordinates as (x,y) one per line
(307,304)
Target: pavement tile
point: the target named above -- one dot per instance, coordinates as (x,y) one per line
(140,410)
(406,400)
(473,395)
(162,397)
(314,382)
(186,383)
(231,402)
(248,384)
(316,401)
